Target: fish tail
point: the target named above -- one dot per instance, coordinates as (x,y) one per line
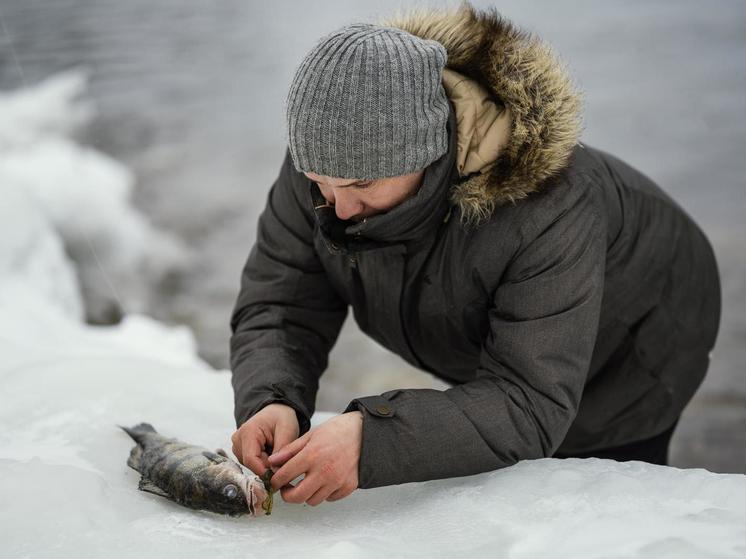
(134,458)
(138,431)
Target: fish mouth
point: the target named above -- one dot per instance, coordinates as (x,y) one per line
(255,496)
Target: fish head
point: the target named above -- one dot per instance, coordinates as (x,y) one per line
(231,491)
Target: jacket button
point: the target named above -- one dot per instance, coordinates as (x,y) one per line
(383,409)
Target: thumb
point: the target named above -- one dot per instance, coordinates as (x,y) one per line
(289,450)
(284,434)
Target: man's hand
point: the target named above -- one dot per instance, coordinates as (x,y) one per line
(328,456)
(274,425)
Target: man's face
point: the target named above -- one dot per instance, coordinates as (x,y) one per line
(355,200)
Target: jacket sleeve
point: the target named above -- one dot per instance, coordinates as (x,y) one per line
(287,316)
(533,364)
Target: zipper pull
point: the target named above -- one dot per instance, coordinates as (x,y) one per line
(353,260)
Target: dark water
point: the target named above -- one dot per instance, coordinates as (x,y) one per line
(190,96)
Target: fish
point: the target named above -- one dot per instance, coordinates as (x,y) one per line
(194,476)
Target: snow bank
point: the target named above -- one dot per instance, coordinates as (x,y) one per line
(84,194)
(67,492)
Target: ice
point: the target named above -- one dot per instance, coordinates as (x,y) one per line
(67,492)
(55,109)
(32,258)
(85,195)
(62,466)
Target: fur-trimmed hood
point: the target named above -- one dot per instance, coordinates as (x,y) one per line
(519,113)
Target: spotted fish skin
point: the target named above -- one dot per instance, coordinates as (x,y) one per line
(193,475)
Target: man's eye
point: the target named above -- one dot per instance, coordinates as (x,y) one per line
(365,185)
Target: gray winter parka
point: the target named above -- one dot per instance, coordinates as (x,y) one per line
(568,300)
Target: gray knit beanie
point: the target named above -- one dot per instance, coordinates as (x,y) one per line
(367,102)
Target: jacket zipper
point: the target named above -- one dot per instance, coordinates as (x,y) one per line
(358,294)
(402,314)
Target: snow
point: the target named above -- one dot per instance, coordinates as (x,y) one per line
(84,193)
(67,492)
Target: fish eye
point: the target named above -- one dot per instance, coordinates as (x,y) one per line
(230,491)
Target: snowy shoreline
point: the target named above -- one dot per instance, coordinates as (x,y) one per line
(66,385)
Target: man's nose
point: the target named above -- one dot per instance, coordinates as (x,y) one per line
(346,204)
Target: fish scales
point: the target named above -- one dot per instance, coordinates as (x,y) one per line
(172,468)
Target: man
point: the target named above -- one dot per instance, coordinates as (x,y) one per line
(436,183)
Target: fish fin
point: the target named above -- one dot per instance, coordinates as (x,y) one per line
(218,459)
(147,485)
(235,465)
(134,459)
(144,427)
(138,431)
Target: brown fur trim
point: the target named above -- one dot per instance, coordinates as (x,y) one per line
(521,71)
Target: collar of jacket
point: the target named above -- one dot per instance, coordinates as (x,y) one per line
(519,112)
(409,222)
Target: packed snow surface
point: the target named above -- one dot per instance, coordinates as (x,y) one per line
(67,492)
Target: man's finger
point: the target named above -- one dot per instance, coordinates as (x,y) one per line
(340,493)
(302,491)
(283,437)
(253,457)
(291,449)
(320,495)
(294,467)
(236,446)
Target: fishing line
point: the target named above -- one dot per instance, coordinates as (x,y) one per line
(19,68)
